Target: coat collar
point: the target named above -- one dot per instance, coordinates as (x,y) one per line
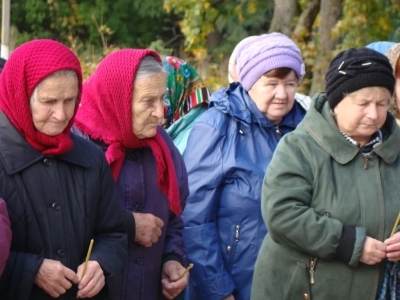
(236,102)
(321,126)
(16,154)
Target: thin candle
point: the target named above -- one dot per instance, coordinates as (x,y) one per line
(186,271)
(87,259)
(395,225)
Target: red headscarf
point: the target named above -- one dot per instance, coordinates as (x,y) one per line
(105,114)
(27,66)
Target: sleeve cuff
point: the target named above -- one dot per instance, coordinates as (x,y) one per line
(361,234)
(130,225)
(347,241)
(172,256)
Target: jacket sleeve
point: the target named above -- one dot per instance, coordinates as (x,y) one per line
(5,235)
(287,197)
(174,248)
(203,158)
(18,277)
(110,237)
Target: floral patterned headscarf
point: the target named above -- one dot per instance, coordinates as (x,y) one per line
(185,89)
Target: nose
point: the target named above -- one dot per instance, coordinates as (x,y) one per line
(159,110)
(372,112)
(281,92)
(60,113)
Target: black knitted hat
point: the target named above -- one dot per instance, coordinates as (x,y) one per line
(355,69)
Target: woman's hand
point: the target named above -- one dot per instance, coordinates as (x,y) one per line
(54,278)
(393,247)
(148,229)
(171,283)
(93,280)
(373,252)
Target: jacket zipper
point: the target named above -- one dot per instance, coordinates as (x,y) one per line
(231,250)
(313,265)
(314,260)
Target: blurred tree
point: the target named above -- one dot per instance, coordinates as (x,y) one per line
(330,13)
(285,12)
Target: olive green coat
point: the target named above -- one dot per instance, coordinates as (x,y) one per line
(317,183)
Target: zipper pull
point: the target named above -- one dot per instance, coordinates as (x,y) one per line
(228,249)
(312,270)
(278,131)
(237,233)
(365,162)
(312,279)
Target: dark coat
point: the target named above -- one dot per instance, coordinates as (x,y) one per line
(5,235)
(139,192)
(56,205)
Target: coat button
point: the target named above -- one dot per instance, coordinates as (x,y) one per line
(139,207)
(306,297)
(135,154)
(60,253)
(139,261)
(47,162)
(55,206)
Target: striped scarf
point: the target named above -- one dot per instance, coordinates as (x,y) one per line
(366,150)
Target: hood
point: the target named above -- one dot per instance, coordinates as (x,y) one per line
(380,47)
(236,102)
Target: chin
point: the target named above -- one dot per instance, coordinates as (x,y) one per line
(277,115)
(147,135)
(54,132)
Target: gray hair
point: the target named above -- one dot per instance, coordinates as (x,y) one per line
(149,66)
(67,73)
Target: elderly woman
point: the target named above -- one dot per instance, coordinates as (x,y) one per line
(5,235)
(233,75)
(122,105)
(228,151)
(58,187)
(330,195)
(185,100)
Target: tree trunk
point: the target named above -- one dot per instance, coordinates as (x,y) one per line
(330,13)
(302,31)
(284,13)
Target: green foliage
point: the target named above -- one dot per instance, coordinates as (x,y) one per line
(134,24)
(233,19)
(96,22)
(366,21)
(201,31)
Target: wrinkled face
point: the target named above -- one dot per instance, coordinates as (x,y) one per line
(147,105)
(362,113)
(54,103)
(274,97)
